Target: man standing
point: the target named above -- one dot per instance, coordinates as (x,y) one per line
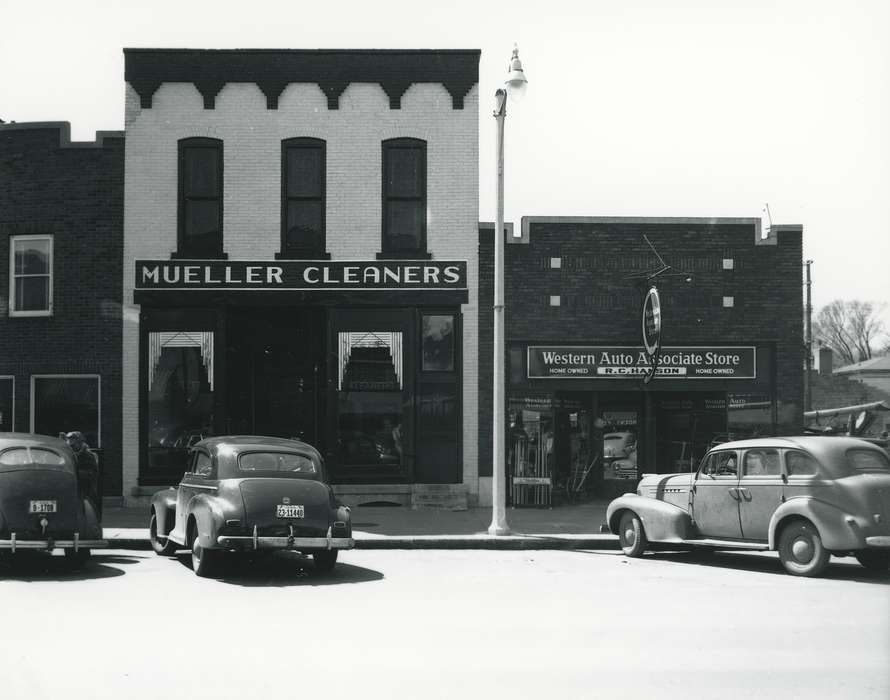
(87,468)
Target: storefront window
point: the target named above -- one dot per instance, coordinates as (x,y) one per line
(180,398)
(530,455)
(748,416)
(370,400)
(619,429)
(7,398)
(438,343)
(61,404)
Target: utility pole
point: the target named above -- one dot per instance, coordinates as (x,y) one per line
(807,386)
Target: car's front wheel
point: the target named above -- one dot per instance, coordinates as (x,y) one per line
(77,559)
(325,560)
(204,561)
(631,535)
(874,560)
(164,547)
(801,550)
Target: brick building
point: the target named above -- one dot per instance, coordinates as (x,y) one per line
(300,260)
(731,358)
(61,233)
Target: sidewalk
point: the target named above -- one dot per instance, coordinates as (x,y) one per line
(394,527)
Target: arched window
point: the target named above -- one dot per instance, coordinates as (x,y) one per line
(303,175)
(404,197)
(200,212)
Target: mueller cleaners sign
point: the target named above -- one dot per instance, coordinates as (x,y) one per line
(605,362)
(300,275)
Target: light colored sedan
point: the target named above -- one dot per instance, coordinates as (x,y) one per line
(806,497)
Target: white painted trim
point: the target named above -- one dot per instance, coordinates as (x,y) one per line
(30,237)
(97,377)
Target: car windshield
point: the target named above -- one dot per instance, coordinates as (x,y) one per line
(276,464)
(25,457)
(868,461)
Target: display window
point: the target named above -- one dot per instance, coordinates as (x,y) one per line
(180,398)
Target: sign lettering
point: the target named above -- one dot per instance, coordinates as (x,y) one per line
(601,362)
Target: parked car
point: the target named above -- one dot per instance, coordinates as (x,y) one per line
(806,497)
(246,493)
(42,504)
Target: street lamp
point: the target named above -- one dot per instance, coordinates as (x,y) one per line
(514,85)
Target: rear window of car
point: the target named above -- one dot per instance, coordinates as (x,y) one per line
(868,460)
(276,464)
(23,456)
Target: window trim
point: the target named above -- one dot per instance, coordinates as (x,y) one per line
(386,250)
(182,145)
(11,378)
(97,377)
(12,276)
(304,252)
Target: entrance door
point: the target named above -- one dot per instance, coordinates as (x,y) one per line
(715,505)
(371,412)
(274,370)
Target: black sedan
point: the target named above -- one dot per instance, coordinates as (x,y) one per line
(43,505)
(246,493)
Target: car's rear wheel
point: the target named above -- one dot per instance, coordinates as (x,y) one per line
(874,560)
(164,547)
(801,550)
(631,535)
(325,560)
(77,559)
(204,561)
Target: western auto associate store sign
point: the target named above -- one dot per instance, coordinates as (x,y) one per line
(300,275)
(605,362)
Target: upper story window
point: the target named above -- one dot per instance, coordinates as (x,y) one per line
(302,198)
(404,198)
(31,275)
(200,198)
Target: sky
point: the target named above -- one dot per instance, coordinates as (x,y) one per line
(688,108)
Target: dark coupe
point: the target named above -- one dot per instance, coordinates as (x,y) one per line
(245,493)
(43,505)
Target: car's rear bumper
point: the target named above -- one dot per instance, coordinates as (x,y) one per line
(14,544)
(298,543)
(882,541)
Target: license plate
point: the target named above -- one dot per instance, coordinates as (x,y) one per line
(289,512)
(43,507)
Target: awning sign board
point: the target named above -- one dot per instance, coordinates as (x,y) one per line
(610,362)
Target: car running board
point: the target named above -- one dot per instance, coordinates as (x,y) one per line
(730,544)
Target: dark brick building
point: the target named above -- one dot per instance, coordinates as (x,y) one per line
(61,237)
(731,359)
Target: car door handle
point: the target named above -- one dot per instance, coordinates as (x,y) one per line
(745,493)
(734,492)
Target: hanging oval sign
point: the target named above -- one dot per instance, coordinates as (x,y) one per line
(651,321)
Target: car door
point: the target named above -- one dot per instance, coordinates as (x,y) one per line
(715,500)
(760,491)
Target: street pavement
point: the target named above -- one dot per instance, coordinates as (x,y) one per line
(575,624)
(570,526)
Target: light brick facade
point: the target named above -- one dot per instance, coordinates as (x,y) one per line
(252,135)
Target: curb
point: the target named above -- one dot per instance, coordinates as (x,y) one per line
(510,542)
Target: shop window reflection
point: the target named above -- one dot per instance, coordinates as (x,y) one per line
(438,343)
(180,399)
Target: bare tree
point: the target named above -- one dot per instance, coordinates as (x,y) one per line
(852,329)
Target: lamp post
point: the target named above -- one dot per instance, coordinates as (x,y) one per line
(515,85)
